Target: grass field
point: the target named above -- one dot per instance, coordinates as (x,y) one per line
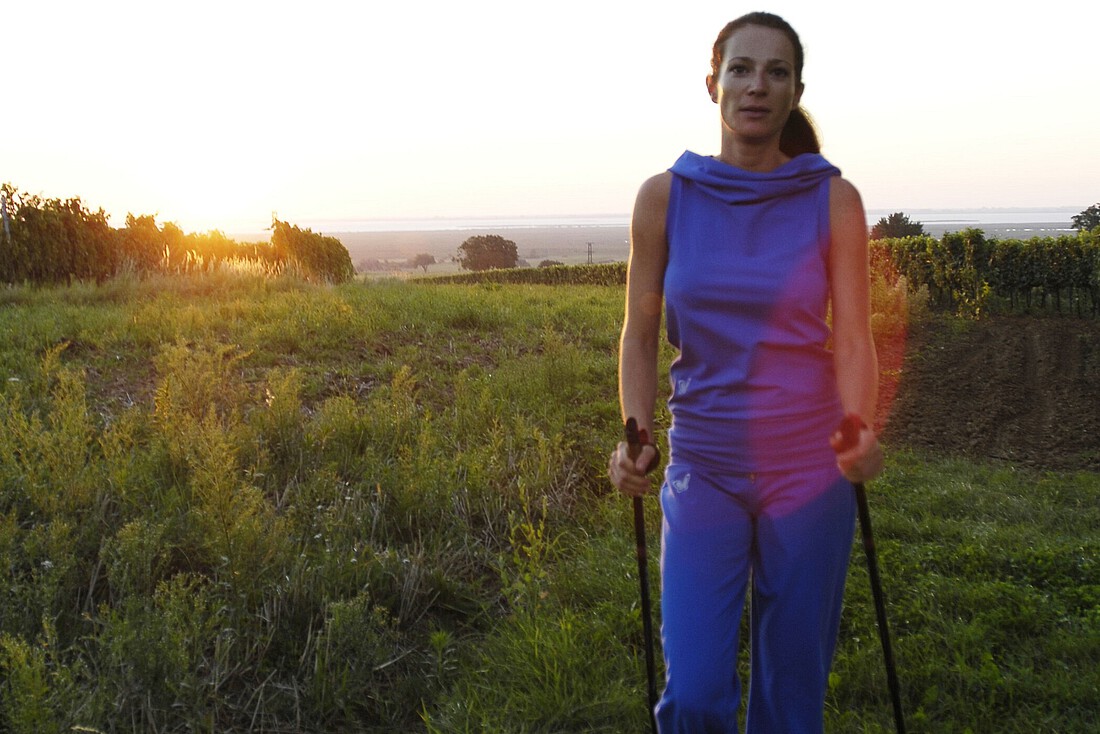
(231,503)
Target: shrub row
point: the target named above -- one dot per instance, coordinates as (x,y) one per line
(612,274)
(49,241)
(964,270)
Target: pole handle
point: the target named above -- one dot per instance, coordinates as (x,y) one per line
(635,438)
(849,429)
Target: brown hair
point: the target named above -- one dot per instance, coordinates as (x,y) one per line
(799,135)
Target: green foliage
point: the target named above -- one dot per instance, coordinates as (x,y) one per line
(606,274)
(984,567)
(53,241)
(545,674)
(487,252)
(232,535)
(34,684)
(164,653)
(1087,220)
(146,248)
(970,275)
(320,257)
(957,270)
(896,225)
(142,245)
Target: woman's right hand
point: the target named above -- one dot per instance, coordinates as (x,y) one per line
(629,475)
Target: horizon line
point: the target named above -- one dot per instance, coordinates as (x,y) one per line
(610,215)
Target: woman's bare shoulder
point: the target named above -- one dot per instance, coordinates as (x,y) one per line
(843,195)
(652,204)
(655,189)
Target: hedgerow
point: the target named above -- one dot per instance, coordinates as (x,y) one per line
(967,273)
(602,274)
(51,241)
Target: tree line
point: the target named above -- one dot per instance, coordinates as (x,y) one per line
(49,241)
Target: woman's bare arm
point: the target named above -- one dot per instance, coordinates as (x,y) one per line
(639,342)
(856,362)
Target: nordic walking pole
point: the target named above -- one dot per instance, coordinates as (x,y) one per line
(635,439)
(849,432)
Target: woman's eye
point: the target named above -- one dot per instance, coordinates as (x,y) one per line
(780,73)
(738,68)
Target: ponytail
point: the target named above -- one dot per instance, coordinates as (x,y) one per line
(799,135)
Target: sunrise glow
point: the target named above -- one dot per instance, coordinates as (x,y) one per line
(214,115)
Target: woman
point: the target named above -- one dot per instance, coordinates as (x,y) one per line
(747,250)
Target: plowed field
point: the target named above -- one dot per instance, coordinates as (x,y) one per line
(1019,389)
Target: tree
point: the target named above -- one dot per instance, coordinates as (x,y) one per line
(1087,220)
(320,257)
(896,225)
(485,252)
(423,260)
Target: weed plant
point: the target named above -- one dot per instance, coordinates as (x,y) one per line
(237,502)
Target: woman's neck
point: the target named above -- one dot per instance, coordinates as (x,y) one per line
(750,156)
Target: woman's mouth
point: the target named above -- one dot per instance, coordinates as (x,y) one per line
(755,111)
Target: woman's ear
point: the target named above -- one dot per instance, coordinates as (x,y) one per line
(712,88)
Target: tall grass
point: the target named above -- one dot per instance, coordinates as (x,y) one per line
(279,507)
(235,503)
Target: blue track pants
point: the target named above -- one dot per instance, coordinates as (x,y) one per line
(791,534)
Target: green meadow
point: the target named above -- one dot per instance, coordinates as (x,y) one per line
(233,502)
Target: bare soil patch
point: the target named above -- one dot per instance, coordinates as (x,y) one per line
(1014,388)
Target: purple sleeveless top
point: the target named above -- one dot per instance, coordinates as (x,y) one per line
(746,289)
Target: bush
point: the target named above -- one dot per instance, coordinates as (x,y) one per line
(322,258)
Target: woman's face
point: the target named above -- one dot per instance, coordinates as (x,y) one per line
(755,87)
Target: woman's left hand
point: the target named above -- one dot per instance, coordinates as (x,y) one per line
(862,461)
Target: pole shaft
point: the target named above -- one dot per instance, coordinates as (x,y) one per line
(880,604)
(635,438)
(647,623)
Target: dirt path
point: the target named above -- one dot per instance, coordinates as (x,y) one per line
(1020,389)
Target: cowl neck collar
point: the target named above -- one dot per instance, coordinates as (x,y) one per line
(737,186)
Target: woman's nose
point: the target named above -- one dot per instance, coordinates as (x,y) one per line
(757,83)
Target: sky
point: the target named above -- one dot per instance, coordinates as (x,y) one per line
(215,115)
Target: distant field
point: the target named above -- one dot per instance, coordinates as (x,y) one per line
(569,245)
(565,244)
